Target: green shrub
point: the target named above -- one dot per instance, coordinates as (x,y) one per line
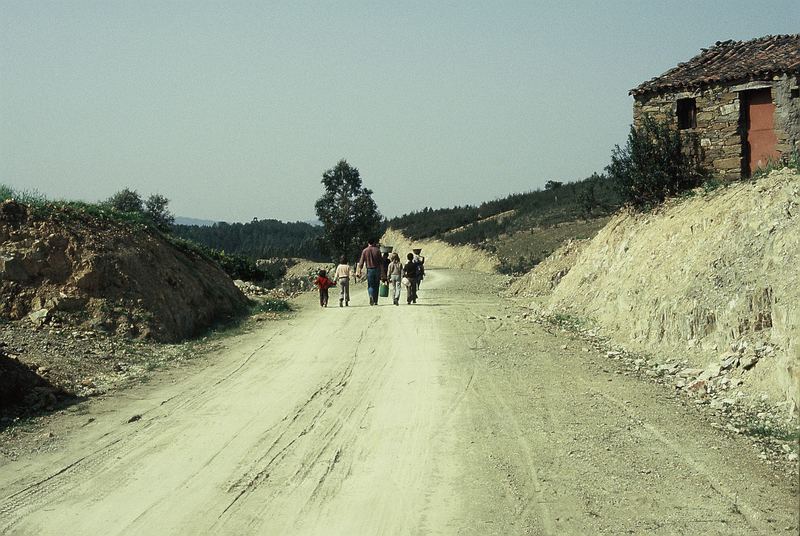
(711,184)
(237,266)
(794,160)
(656,163)
(32,198)
(6,192)
(126,200)
(272,305)
(519,266)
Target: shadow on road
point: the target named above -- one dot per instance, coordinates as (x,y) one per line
(24,393)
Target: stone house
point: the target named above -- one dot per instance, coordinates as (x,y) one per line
(741,99)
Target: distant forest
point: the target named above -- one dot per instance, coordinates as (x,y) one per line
(258,239)
(557,203)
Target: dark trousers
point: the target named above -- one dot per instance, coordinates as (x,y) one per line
(323,297)
(411,290)
(373,280)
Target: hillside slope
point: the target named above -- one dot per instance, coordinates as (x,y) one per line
(703,279)
(105,275)
(522,229)
(439,254)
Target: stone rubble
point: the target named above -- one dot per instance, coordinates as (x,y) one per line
(773,427)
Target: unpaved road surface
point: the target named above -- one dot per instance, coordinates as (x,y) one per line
(442,418)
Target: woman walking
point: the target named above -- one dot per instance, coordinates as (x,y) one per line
(342,277)
(395,274)
(410,272)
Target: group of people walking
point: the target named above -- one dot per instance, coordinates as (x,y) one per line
(382,269)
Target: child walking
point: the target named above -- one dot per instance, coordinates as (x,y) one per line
(343,279)
(410,273)
(395,274)
(323,284)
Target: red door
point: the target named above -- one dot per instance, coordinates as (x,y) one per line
(761,138)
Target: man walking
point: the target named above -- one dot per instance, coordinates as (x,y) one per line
(371,258)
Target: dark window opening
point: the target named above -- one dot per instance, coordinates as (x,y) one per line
(687,114)
(795,92)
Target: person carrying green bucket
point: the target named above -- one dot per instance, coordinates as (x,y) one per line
(383,289)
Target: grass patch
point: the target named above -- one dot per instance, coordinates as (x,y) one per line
(272,305)
(711,184)
(566,320)
(793,163)
(41,207)
(771,431)
(240,323)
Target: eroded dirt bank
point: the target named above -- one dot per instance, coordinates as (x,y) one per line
(448,417)
(712,279)
(69,267)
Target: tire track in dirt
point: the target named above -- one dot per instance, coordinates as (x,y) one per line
(445,417)
(104,459)
(303,426)
(533,507)
(741,507)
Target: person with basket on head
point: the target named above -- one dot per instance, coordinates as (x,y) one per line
(323,284)
(342,278)
(395,275)
(420,260)
(410,272)
(371,259)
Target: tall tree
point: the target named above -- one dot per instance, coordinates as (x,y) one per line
(156,209)
(347,212)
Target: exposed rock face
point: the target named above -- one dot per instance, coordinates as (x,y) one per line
(697,277)
(548,273)
(108,276)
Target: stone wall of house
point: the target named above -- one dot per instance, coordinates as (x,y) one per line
(787,114)
(719,119)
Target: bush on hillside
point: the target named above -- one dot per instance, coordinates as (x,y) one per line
(155,209)
(126,200)
(656,163)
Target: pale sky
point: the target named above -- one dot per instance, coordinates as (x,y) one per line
(233,110)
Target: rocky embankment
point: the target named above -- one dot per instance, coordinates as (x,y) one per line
(102,275)
(86,302)
(707,285)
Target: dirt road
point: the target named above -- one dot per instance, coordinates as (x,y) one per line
(442,418)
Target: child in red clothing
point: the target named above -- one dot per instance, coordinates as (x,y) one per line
(323,284)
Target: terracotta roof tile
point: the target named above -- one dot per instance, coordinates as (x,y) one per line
(730,61)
